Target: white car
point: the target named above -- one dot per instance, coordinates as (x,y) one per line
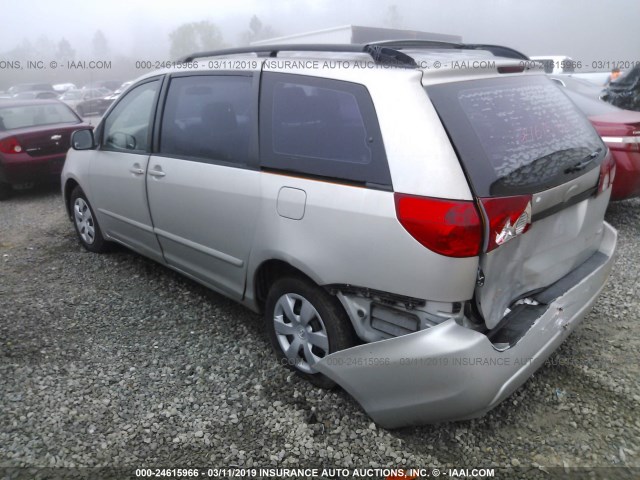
(63,87)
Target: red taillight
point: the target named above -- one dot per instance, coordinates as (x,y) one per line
(10,145)
(449,227)
(507,217)
(607,173)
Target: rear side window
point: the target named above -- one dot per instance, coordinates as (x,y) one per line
(208,118)
(321,127)
(516,135)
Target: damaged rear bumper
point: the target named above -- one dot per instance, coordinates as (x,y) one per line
(449,372)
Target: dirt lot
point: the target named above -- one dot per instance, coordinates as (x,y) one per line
(113,360)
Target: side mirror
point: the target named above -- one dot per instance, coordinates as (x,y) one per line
(83,140)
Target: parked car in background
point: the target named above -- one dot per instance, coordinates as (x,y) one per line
(94,101)
(556,64)
(578,85)
(123,87)
(110,85)
(567,67)
(599,79)
(63,87)
(120,89)
(392,224)
(31,87)
(72,97)
(36,94)
(620,131)
(625,91)
(34,139)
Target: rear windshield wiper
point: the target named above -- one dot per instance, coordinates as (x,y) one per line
(581,165)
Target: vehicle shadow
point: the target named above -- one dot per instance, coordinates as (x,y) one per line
(34,193)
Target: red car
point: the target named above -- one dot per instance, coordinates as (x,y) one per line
(620,130)
(34,139)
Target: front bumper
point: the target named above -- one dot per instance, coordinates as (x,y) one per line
(449,372)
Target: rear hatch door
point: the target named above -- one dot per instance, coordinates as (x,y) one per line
(533,162)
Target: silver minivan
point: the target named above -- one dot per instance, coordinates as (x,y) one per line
(420,223)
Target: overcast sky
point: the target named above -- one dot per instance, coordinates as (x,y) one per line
(587,30)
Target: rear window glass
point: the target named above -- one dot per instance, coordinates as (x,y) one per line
(35,115)
(516,135)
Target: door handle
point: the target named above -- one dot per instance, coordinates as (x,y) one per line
(157,171)
(136,169)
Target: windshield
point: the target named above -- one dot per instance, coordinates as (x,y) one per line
(515,135)
(35,115)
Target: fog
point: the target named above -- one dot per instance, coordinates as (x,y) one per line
(587,30)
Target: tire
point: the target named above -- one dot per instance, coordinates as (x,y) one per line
(300,314)
(86,223)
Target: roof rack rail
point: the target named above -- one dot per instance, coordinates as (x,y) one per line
(497,50)
(379,53)
(385,52)
(414,43)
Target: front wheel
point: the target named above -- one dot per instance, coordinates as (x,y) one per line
(86,224)
(305,324)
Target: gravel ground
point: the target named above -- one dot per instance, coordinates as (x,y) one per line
(113,360)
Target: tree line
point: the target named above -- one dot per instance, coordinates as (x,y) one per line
(185,39)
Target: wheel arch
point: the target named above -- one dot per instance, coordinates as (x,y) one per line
(70,184)
(268,272)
